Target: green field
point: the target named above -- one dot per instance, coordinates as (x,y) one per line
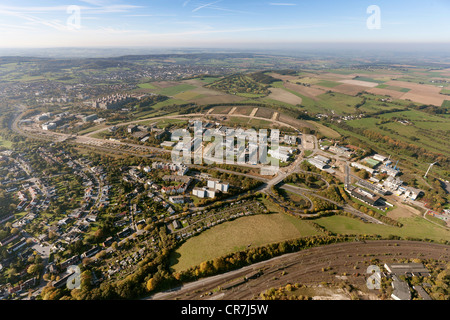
(237,235)
(264,229)
(446,104)
(324,130)
(208,80)
(394,88)
(172,91)
(349,71)
(340,103)
(368,79)
(189,95)
(147,86)
(416,227)
(328,83)
(428,131)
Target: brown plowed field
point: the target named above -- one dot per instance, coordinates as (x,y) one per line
(306,91)
(420,93)
(349,89)
(284,96)
(385,92)
(305,267)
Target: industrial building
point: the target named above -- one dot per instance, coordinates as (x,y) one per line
(389,171)
(373,187)
(323,159)
(372,162)
(49,126)
(379,157)
(407,269)
(317,163)
(281,153)
(365,196)
(401,290)
(342,151)
(90,118)
(363,167)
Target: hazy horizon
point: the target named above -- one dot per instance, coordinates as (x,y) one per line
(361,50)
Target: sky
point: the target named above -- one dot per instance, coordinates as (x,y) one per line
(219,23)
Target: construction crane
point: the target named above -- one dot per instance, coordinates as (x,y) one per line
(429,168)
(395,168)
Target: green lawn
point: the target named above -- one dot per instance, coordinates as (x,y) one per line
(237,235)
(5,143)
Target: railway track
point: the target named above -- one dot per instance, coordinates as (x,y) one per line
(305,267)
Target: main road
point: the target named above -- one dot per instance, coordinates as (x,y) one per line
(309,142)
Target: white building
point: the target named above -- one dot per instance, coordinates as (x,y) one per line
(204,193)
(343,151)
(317,163)
(392,183)
(389,171)
(379,157)
(412,193)
(177,199)
(281,153)
(323,159)
(362,167)
(49,126)
(218,185)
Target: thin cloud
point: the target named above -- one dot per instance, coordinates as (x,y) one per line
(99,9)
(36,20)
(281,4)
(151,15)
(206,5)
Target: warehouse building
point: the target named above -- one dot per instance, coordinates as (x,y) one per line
(365,196)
